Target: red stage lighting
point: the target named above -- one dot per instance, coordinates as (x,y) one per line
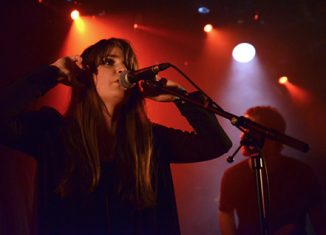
(256,16)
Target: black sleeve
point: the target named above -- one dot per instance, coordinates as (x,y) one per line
(15,98)
(23,130)
(208,140)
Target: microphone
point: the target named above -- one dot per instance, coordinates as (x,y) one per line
(129,78)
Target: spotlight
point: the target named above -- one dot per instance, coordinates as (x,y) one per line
(135,26)
(244,52)
(203,10)
(208,28)
(282,80)
(74,14)
(256,16)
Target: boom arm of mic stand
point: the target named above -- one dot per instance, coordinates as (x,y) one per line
(240,122)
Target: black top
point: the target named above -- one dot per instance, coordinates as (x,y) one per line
(42,134)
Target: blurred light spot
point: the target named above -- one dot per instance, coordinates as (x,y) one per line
(203,10)
(208,28)
(256,16)
(74,14)
(244,52)
(282,80)
(135,26)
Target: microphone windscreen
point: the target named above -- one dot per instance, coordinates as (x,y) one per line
(124,82)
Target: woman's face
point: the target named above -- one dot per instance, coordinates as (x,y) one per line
(107,78)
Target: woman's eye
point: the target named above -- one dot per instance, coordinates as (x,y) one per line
(108,61)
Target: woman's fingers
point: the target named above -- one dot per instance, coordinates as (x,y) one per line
(70,67)
(77,59)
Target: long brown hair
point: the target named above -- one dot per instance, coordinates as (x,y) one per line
(131,143)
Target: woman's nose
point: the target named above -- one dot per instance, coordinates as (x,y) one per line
(121,69)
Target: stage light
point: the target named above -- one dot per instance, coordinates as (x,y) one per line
(74,14)
(256,16)
(282,80)
(135,26)
(203,10)
(208,28)
(244,52)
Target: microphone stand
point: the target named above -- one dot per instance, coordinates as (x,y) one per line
(257,163)
(241,123)
(238,121)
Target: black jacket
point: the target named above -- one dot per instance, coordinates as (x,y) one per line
(42,133)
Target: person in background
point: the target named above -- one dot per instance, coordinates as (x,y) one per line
(294,189)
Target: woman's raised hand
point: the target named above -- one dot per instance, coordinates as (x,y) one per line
(70,67)
(161,97)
